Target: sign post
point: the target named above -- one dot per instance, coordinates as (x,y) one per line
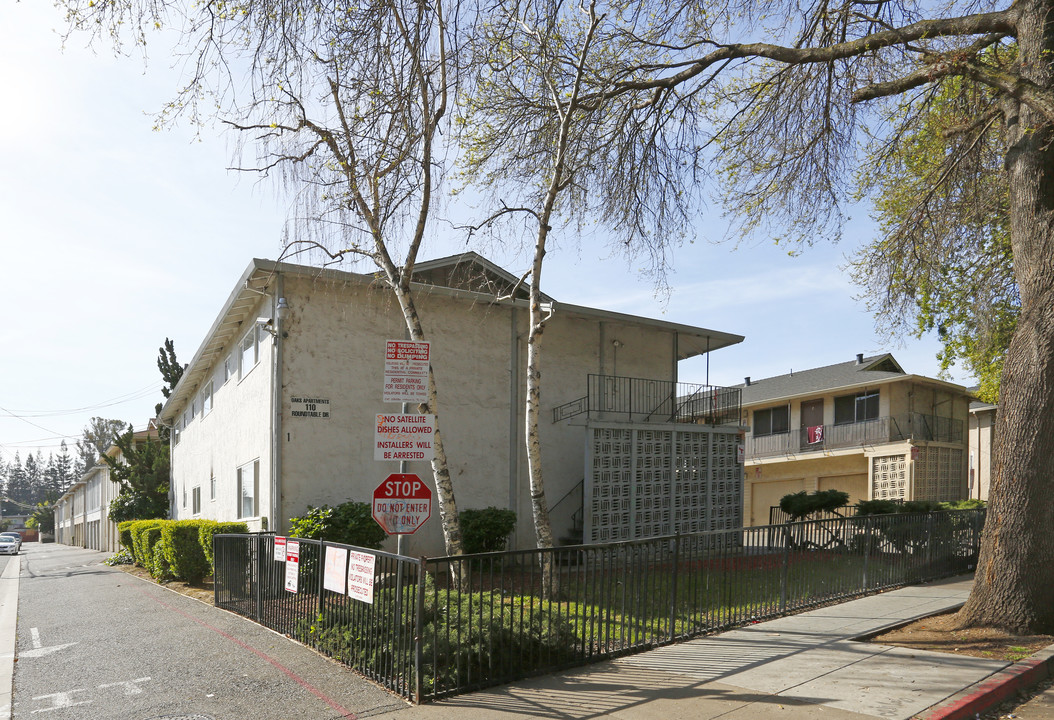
(402,503)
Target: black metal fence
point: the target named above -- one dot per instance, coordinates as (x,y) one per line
(645,400)
(437,627)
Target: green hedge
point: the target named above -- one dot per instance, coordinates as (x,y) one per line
(141,550)
(350,523)
(157,563)
(181,545)
(486,530)
(124,531)
(212,527)
(179,549)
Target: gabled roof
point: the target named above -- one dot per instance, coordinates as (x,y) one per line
(471,271)
(859,373)
(259,279)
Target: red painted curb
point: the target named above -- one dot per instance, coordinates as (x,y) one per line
(988,693)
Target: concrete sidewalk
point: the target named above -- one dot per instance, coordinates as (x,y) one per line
(805,665)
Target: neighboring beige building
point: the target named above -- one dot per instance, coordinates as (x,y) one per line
(864,427)
(289,336)
(82,514)
(982,443)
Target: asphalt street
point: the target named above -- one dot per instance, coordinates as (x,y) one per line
(96,643)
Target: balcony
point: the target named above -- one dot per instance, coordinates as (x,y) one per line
(913,426)
(643,400)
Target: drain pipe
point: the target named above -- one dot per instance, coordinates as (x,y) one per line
(279,310)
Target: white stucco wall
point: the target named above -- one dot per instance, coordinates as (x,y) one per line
(333,349)
(235,433)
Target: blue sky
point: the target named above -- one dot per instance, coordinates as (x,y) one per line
(115,236)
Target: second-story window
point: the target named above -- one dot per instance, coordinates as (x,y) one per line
(206,399)
(772,421)
(856,408)
(250,348)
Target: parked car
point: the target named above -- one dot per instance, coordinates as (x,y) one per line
(17,537)
(9,545)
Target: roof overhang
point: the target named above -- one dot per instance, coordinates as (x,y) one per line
(259,276)
(845,389)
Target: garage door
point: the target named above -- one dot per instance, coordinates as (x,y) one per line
(767,494)
(855,485)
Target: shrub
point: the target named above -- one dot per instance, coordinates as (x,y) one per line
(124,532)
(350,523)
(877,507)
(484,634)
(486,530)
(181,547)
(209,528)
(971,504)
(802,504)
(141,550)
(157,563)
(121,557)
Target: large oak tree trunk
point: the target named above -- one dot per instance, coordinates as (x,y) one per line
(1014,584)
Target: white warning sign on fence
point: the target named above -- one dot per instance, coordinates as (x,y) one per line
(361,569)
(292,565)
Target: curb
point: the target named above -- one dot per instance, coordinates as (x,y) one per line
(996,688)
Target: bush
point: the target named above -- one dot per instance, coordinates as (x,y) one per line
(181,547)
(350,523)
(486,530)
(157,562)
(802,504)
(486,634)
(209,528)
(141,550)
(124,532)
(971,504)
(877,507)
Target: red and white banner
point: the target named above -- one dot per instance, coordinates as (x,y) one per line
(815,434)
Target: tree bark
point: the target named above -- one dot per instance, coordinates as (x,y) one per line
(1014,582)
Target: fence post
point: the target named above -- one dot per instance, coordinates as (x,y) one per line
(868,525)
(419,629)
(929,546)
(673,585)
(257,575)
(785,575)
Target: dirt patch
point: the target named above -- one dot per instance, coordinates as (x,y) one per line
(937,634)
(201,591)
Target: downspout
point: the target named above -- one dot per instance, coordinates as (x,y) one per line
(514,405)
(273,522)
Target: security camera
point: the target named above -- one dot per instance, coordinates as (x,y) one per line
(263,321)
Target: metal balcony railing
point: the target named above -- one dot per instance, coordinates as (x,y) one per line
(912,426)
(644,400)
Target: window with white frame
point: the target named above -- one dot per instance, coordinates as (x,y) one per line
(195,500)
(212,487)
(230,365)
(856,408)
(206,399)
(250,348)
(184,497)
(248,489)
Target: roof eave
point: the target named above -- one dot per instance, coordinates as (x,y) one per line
(856,386)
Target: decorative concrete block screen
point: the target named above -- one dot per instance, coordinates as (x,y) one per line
(889,477)
(648,480)
(939,474)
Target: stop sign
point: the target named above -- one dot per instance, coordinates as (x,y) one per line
(402,503)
